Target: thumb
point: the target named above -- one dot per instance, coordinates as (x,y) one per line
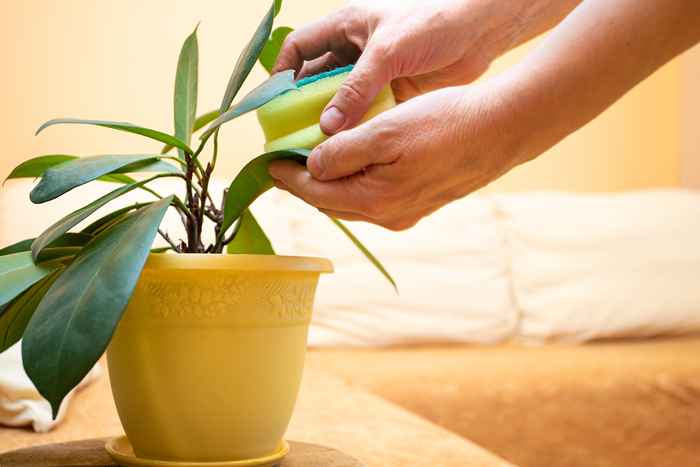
(354,97)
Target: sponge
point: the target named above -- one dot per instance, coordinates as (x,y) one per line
(291,120)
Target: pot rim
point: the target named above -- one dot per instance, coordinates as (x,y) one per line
(266,263)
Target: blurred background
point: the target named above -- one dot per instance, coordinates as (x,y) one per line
(116,60)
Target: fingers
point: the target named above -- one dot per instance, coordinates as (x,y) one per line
(335,195)
(325,62)
(314,40)
(371,73)
(346,154)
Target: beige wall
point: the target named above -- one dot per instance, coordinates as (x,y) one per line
(116,60)
(690,119)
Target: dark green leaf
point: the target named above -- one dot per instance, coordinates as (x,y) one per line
(161,250)
(373,259)
(272,48)
(121,126)
(101,223)
(77,317)
(252,181)
(185,98)
(76,217)
(247,59)
(62,252)
(275,85)
(202,121)
(14,319)
(18,272)
(62,178)
(68,239)
(156,165)
(249,238)
(36,166)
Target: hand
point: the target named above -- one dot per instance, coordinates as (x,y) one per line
(407,162)
(417,45)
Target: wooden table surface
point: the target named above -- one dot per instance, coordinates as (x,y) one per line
(329,412)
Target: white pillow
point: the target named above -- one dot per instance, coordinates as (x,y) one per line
(600,266)
(450,269)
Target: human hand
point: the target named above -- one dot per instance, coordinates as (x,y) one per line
(419,46)
(408,161)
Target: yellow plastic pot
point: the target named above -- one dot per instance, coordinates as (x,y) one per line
(292,119)
(206,362)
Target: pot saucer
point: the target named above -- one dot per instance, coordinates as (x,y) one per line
(120,451)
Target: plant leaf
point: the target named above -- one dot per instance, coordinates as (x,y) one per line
(272,48)
(278,7)
(185,98)
(62,178)
(77,317)
(161,250)
(68,239)
(275,85)
(368,254)
(18,272)
(101,223)
(76,217)
(121,126)
(201,121)
(247,58)
(36,166)
(14,318)
(250,238)
(252,181)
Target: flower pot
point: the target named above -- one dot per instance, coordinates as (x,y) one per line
(206,362)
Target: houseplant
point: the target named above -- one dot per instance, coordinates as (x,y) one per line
(206,348)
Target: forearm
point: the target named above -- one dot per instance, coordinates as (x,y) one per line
(601,51)
(522,20)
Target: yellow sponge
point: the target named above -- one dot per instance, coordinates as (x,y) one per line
(291,120)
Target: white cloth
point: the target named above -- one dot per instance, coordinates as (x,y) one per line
(20,402)
(587,267)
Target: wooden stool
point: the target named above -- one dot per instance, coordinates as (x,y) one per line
(91,453)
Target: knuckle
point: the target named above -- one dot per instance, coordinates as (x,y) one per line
(352,92)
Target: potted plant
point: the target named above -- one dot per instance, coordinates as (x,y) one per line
(205,346)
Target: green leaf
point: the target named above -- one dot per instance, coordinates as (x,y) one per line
(275,85)
(68,239)
(252,181)
(58,253)
(18,272)
(121,126)
(77,317)
(202,121)
(373,259)
(247,58)
(76,217)
(278,7)
(185,98)
(62,178)
(14,318)
(100,224)
(160,250)
(36,166)
(272,48)
(249,238)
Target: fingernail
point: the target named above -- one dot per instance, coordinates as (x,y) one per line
(332,120)
(315,164)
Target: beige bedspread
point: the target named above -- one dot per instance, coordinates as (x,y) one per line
(631,403)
